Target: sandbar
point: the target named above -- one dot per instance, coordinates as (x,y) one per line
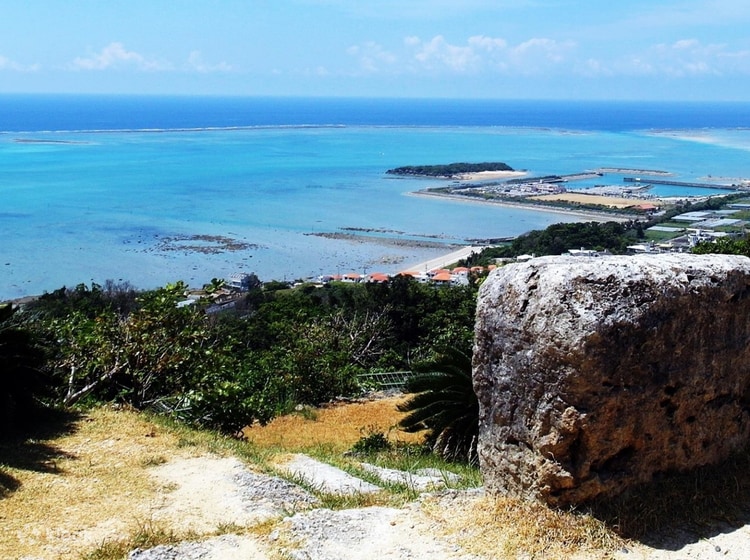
(490,175)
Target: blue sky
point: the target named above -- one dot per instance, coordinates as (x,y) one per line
(566,49)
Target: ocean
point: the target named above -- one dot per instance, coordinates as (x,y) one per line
(152,190)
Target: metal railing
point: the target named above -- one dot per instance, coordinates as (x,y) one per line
(385,380)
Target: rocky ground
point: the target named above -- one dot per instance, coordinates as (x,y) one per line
(205,494)
(118,476)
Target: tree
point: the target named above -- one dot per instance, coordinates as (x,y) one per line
(724,245)
(22,383)
(214,286)
(445,405)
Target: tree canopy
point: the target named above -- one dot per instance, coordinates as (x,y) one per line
(450,169)
(280,347)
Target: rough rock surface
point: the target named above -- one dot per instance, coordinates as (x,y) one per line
(594,374)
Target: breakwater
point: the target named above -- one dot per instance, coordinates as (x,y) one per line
(684,184)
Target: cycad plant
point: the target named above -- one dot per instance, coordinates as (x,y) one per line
(445,405)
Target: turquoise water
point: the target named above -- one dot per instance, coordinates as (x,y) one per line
(91,206)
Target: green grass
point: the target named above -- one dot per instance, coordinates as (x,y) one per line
(148,535)
(659,236)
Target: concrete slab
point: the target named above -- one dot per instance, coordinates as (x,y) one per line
(326,477)
(427,479)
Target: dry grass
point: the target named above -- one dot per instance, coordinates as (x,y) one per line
(593,199)
(91,485)
(334,428)
(90,494)
(496,527)
(86,487)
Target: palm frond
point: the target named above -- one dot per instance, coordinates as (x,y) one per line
(444,405)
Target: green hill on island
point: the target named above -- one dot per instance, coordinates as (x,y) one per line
(450,169)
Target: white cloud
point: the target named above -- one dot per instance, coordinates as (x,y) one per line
(594,67)
(481,54)
(488,44)
(685,58)
(490,53)
(437,53)
(372,57)
(115,55)
(196,63)
(8,64)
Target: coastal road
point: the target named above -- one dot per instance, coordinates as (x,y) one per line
(445,260)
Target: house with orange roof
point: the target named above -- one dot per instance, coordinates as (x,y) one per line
(378,277)
(418,276)
(443,277)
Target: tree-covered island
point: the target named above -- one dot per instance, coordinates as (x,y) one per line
(450,170)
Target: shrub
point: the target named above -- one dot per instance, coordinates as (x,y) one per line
(445,405)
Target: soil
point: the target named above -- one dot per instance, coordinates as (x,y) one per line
(203,495)
(208,493)
(117,472)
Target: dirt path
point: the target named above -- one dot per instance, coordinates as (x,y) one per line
(117,473)
(204,494)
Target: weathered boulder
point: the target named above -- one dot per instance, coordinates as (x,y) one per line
(595,374)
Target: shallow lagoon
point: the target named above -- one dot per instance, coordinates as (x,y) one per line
(148,206)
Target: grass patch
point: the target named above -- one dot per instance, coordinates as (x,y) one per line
(153,460)
(58,504)
(498,527)
(148,535)
(334,429)
(659,236)
(53,485)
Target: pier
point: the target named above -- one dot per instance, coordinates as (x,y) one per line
(683,184)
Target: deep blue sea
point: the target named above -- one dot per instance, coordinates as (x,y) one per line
(157,189)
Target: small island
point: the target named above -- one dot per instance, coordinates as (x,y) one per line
(450,170)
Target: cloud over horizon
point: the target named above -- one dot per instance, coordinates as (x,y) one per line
(478,53)
(337,47)
(11,65)
(115,55)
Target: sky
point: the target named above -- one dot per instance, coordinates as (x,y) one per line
(505,49)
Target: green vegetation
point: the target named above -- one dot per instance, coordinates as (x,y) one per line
(449,170)
(725,246)
(559,238)
(22,383)
(281,347)
(444,404)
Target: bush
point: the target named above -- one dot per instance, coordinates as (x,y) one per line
(23,385)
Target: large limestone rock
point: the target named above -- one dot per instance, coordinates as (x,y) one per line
(594,374)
